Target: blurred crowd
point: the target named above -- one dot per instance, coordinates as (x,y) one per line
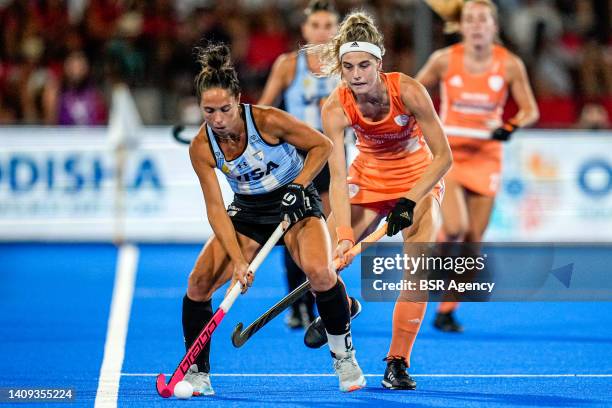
(60,58)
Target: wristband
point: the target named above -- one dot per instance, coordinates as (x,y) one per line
(345,233)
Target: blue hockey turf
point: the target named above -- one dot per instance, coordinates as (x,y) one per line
(55,304)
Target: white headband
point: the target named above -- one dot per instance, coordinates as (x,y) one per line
(360,46)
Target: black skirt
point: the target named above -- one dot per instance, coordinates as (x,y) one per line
(257,215)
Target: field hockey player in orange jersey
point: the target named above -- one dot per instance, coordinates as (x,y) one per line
(403,155)
(475,76)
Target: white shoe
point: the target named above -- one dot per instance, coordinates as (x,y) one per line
(348,371)
(199,380)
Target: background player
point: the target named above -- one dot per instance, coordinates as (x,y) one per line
(402,158)
(475,76)
(296,77)
(255,147)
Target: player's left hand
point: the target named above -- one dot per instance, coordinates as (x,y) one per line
(504,132)
(400,216)
(294,203)
(241,273)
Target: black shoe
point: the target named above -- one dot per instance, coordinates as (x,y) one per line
(396,377)
(446,322)
(316,337)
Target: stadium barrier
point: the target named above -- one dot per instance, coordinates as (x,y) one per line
(60,184)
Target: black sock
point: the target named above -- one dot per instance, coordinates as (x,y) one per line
(334,309)
(195,316)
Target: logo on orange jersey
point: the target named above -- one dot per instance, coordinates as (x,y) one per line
(401,120)
(456,81)
(496,82)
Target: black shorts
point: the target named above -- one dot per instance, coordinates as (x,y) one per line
(257,216)
(321,181)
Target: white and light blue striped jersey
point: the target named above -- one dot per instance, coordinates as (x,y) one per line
(304,96)
(262,167)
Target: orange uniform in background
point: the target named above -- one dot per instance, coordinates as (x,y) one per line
(471,108)
(392,152)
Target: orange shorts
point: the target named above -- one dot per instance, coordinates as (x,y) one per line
(476,164)
(379,183)
(383,207)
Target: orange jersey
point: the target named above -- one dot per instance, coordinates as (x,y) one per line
(471,108)
(472,104)
(392,152)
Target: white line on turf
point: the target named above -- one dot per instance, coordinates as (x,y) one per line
(380,375)
(114,348)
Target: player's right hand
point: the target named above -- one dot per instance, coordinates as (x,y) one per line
(400,216)
(342,253)
(240,273)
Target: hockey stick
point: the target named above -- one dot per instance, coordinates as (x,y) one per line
(240,337)
(176,134)
(166,390)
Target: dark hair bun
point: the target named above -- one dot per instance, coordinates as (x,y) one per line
(215,56)
(217,69)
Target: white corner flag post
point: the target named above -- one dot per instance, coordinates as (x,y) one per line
(124,133)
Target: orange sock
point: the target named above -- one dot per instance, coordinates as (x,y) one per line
(407,318)
(447,307)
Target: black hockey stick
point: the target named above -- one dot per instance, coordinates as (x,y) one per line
(239,337)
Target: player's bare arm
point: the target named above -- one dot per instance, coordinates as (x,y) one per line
(417,101)
(434,69)
(279,78)
(521,91)
(204,165)
(334,122)
(281,126)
